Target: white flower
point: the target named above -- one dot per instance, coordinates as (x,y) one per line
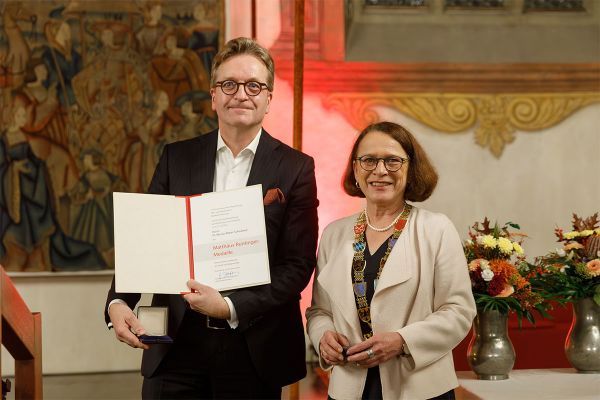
(468,242)
(564,268)
(561,252)
(484,264)
(487,274)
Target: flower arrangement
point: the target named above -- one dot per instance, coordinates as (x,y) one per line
(572,271)
(493,254)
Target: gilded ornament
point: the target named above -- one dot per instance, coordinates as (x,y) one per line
(496,117)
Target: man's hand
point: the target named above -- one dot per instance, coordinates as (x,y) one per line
(124,322)
(207,301)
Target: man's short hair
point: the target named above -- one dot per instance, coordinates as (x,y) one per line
(239,46)
(421,178)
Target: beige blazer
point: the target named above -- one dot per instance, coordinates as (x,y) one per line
(424,293)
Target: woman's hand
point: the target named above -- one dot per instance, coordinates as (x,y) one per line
(376,350)
(331,346)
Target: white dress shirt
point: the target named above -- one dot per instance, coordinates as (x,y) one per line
(230,173)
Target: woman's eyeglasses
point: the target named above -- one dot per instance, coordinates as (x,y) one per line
(392,164)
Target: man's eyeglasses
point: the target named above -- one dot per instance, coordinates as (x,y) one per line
(252,88)
(392,164)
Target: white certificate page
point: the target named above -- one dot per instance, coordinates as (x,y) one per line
(151,246)
(229,239)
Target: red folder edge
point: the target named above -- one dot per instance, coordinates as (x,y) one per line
(188,217)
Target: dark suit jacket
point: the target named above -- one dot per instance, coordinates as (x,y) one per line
(269,315)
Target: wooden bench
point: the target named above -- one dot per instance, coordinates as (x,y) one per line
(21,335)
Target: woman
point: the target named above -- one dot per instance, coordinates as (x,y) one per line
(391,297)
(62,60)
(32,239)
(24,197)
(93,204)
(141,153)
(45,117)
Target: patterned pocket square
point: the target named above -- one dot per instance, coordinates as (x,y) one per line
(274,196)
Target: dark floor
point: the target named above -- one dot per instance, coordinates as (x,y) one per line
(127,386)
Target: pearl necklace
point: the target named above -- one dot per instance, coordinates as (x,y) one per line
(385,228)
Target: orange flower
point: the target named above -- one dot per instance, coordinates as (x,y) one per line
(513,281)
(593,267)
(477,264)
(573,245)
(502,267)
(519,281)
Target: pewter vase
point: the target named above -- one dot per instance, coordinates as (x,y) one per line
(491,354)
(582,346)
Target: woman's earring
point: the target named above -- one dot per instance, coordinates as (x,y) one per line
(357,185)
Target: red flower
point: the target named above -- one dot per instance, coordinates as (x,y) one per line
(496,285)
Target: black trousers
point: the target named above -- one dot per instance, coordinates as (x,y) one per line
(207,364)
(373,389)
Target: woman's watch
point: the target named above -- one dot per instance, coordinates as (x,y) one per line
(405,351)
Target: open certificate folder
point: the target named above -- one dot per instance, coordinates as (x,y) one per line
(218,239)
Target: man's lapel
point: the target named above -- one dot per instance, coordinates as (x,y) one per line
(202,170)
(265,163)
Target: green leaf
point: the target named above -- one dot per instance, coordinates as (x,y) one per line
(597,298)
(529,317)
(516,226)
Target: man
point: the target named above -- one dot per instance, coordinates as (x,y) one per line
(250,343)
